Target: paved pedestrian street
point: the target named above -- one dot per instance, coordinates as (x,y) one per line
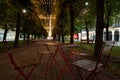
(30,52)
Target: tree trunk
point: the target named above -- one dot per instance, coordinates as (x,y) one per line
(107,27)
(62,33)
(28,36)
(35,36)
(24,36)
(72,25)
(17,30)
(5,19)
(107,33)
(108,6)
(87,31)
(59,36)
(5,33)
(99,27)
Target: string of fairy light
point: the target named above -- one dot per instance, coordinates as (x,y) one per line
(47,6)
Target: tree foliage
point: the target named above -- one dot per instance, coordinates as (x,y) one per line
(11,16)
(111,10)
(74,7)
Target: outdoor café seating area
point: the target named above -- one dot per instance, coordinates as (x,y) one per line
(50,60)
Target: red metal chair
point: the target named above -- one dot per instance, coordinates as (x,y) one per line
(85,42)
(79,54)
(21,65)
(89,69)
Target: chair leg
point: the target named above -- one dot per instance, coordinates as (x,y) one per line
(90,76)
(79,72)
(19,74)
(31,70)
(94,76)
(47,67)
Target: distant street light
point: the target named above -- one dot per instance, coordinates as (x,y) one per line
(86,3)
(24,11)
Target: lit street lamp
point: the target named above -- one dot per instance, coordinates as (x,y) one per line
(24,11)
(86,3)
